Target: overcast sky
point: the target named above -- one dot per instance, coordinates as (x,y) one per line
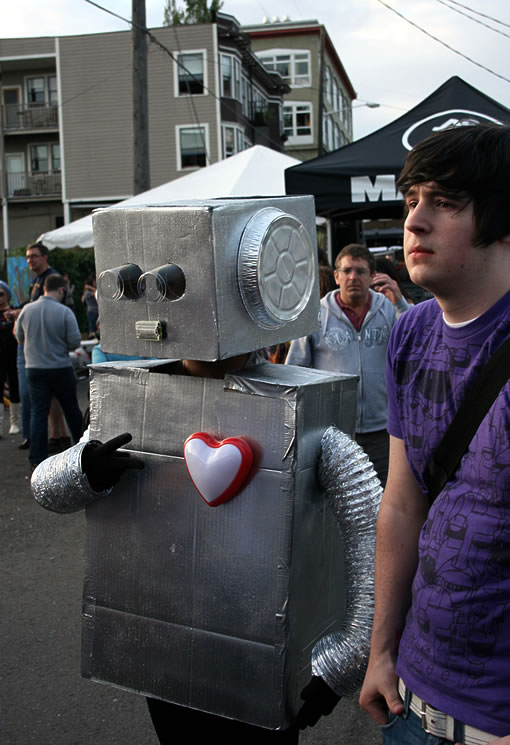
(388,61)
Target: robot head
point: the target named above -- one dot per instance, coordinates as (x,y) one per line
(206,280)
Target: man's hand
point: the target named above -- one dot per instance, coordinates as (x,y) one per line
(389,288)
(379,692)
(500,741)
(319,700)
(103,465)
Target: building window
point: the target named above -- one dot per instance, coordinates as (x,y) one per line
(45,158)
(259,104)
(234,140)
(190,73)
(347,113)
(297,123)
(293,65)
(39,159)
(230,76)
(228,142)
(191,146)
(55,157)
(36,91)
(245,98)
(52,90)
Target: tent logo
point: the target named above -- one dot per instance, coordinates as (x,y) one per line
(443,120)
(383,188)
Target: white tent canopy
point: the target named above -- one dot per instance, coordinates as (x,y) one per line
(258,171)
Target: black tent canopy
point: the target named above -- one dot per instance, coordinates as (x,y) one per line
(358,181)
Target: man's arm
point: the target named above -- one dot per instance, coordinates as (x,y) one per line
(403,511)
(73,336)
(18,330)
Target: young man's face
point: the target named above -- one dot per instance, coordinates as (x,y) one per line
(353,278)
(439,233)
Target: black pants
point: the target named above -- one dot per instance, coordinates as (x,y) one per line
(377,446)
(171,722)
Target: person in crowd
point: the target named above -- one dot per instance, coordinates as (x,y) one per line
(440,654)
(48,331)
(8,372)
(37,256)
(69,298)
(355,329)
(90,301)
(386,281)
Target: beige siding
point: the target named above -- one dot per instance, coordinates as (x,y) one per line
(26,47)
(167,110)
(96,115)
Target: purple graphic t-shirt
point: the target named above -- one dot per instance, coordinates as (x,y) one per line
(455,650)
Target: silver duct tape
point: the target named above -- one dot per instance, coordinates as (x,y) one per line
(354,492)
(59,484)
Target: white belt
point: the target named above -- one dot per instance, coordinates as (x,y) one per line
(437,723)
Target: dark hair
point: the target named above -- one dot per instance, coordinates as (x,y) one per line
(386,266)
(470,162)
(53,282)
(356,251)
(43,250)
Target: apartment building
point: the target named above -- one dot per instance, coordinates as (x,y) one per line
(66,129)
(318,107)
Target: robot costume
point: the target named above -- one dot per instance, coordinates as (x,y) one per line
(225,609)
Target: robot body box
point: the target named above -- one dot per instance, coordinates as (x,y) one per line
(214,608)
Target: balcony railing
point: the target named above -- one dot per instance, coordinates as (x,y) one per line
(23,185)
(19,117)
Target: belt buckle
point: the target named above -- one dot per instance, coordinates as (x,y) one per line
(423,713)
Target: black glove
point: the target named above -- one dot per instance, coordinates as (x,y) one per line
(103,465)
(319,700)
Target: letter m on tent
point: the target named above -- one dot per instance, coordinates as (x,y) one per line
(384,189)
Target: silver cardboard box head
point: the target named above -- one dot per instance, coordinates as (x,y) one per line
(206,280)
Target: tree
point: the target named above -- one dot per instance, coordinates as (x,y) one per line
(195,11)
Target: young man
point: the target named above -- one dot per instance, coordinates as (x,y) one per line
(48,331)
(355,329)
(444,667)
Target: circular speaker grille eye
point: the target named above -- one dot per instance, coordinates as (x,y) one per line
(164,283)
(275,267)
(120,282)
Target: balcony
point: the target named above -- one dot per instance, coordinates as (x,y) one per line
(23,185)
(23,117)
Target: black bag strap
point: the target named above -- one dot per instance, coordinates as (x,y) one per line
(477,402)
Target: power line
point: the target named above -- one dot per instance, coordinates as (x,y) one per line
(478,13)
(161,46)
(475,20)
(443,43)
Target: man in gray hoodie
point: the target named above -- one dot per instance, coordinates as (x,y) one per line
(355,327)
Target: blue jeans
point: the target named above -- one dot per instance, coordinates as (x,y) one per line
(44,384)
(24,394)
(407,730)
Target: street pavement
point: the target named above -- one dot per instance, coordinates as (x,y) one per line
(43,699)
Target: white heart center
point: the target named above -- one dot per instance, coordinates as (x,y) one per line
(212,469)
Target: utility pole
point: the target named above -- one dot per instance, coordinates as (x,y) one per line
(141,169)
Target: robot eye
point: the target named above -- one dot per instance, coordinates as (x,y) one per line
(164,283)
(120,282)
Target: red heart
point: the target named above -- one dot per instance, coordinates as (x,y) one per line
(218,468)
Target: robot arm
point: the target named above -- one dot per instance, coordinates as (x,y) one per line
(68,481)
(354,492)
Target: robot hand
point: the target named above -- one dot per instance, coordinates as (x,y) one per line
(319,700)
(104,466)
